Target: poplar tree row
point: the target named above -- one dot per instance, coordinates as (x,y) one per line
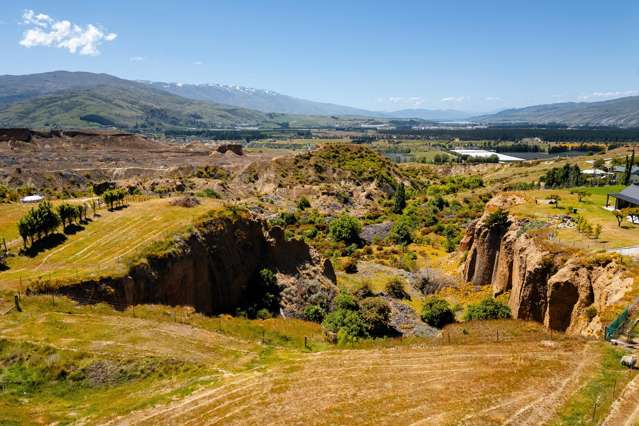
(114,197)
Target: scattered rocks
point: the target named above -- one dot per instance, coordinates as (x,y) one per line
(376,231)
(185,202)
(405,320)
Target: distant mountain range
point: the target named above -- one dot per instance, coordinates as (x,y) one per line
(270,101)
(621,112)
(81,99)
(258,99)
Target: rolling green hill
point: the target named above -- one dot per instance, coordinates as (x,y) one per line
(128,106)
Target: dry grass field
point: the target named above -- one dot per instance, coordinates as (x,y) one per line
(177,367)
(103,247)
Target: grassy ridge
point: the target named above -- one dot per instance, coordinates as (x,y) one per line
(106,244)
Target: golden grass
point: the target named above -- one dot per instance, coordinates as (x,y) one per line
(482,382)
(105,245)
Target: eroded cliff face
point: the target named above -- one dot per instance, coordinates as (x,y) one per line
(545,285)
(215,268)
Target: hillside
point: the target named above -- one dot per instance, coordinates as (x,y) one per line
(622,112)
(258,99)
(126,106)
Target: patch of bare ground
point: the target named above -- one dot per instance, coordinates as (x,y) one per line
(476,383)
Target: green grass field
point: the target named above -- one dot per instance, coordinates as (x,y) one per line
(612,236)
(104,247)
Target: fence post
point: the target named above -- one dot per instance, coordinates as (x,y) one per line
(16,299)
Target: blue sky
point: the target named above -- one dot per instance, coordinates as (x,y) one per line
(468,55)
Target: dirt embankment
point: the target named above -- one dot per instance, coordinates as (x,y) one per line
(216,268)
(565,291)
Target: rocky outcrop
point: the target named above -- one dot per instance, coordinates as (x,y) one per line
(235,148)
(564,291)
(16,134)
(216,268)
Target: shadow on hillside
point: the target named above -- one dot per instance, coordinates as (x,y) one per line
(44,244)
(73,229)
(115,209)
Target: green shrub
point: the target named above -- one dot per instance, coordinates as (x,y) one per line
(288,218)
(314,313)
(303,203)
(395,288)
(591,312)
(345,300)
(437,312)
(402,232)
(263,314)
(348,324)
(487,309)
(345,229)
(375,313)
(497,219)
(311,233)
(208,193)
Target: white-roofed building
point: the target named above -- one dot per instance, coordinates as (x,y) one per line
(32,199)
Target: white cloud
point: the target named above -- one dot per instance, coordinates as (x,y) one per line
(137,59)
(454,99)
(493,98)
(613,94)
(198,63)
(412,101)
(46,31)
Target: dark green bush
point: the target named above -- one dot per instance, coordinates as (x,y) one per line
(375,312)
(402,232)
(497,219)
(348,324)
(303,203)
(437,312)
(487,309)
(314,313)
(345,229)
(345,301)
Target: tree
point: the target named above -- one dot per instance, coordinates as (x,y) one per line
(597,231)
(38,222)
(555,198)
(400,199)
(581,194)
(437,312)
(627,171)
(620,217)
(599,163)
(114,197)
(345,229)
(67,213)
